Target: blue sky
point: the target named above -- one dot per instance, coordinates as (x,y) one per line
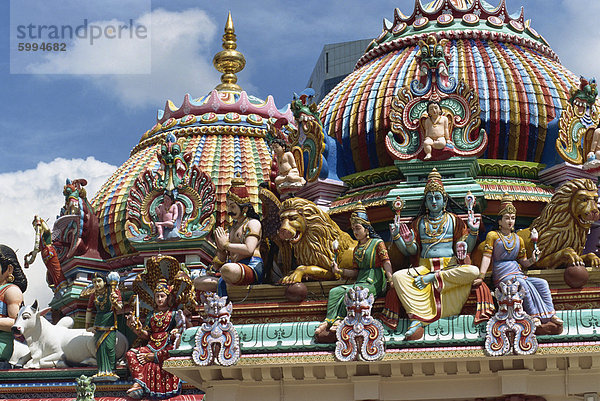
(74,125)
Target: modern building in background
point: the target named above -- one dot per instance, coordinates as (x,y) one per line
(335,62)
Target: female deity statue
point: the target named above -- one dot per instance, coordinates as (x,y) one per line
(145,363)
(505,251)
(106,303)
(371,268)
(13,284)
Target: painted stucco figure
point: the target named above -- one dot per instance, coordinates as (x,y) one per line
(316,241)
(104,304)
(168,214)
(371,269)
(145,363)
(437,132)
(43,244)
(438,241)
(13,284)
(238,258)
(288,177)
(563,226)
(505,252)
(419,129)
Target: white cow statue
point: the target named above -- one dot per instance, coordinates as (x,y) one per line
(56,345)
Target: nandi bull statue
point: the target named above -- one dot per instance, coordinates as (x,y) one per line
(217,341)
(58,345)
(360,335)
(510,318)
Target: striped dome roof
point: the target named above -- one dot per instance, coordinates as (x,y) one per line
(225,133)
(521,84)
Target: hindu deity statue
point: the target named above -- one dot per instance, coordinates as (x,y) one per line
(145,363)
(437,133)
(13,284)
(238,257)
(505,252)
(43,243)
(105,303)
(371,269)
(288,176)
(438,241)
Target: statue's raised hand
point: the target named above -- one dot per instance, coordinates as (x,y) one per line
(473,222)
(406,233)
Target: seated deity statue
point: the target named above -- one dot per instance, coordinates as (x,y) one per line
(594,151)
(437,132)
(288,175)
(438,241)
(371,269)
(505,252)
(238,259)
(168,215)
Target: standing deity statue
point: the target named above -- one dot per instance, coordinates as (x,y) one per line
(238,256)
(43,243)
(438,240)
(505,252)
(13,284)
(105,303)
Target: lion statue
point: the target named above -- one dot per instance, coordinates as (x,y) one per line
(313,235)
(563,226)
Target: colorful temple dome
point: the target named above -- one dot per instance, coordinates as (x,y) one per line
(225,132)
(521,84)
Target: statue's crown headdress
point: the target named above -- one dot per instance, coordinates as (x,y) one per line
(238,191)
(359,215)
(506,205)
(434,182)
(162,286)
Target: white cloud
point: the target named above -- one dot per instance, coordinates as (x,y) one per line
(575,35)
(39,191)
(178,61)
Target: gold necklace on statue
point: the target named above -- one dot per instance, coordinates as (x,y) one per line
(506,241)
(359,251)
(435,228)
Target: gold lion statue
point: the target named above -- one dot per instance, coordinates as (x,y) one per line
(313,235)
(563,226)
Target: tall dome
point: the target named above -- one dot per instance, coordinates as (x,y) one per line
(521,84)
(225,132)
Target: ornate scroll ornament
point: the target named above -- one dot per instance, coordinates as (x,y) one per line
(510,318)
(359,324)
(577,123)
(191,188)
(309,136)
(458,102)
(217,341)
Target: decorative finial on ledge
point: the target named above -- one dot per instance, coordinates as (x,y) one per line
(229,61)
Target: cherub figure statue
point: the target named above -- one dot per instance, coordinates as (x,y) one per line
(168,214)
(436,127)
(288,177)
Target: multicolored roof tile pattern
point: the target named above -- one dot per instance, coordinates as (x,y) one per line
(522,86)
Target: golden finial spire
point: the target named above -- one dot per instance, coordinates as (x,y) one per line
(229,61)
